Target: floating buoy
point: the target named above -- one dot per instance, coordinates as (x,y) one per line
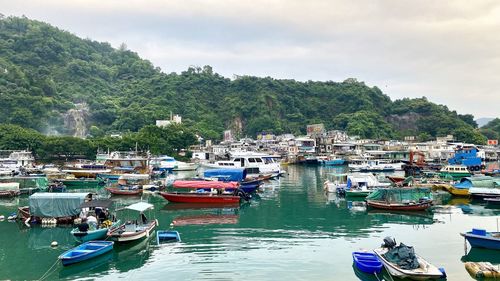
(53,244)
(12,216)
(2,217)
(172,224)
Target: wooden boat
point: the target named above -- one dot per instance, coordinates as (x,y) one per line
(425,271)
(130,230)
(9,189)
(64,207)
(395,179)
(480,238)
(124,191)
(367,262)
(166,236)
(482,270)
(400,199)
(86,251)
(200,197)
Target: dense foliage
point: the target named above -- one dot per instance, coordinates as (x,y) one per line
(492,129)
(170,140)
(44,72)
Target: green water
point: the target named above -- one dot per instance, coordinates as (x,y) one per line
(292,231)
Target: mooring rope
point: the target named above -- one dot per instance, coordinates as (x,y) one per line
(46,274)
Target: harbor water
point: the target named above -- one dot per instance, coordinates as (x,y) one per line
(291,230)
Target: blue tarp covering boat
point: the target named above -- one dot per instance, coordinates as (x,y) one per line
(86,251)
(227,174)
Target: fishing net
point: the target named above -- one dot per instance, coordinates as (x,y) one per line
(403,256)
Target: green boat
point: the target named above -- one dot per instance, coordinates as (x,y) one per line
(454,172)
(357,193)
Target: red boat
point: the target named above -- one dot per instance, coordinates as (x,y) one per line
(395,179)
(200,197)
(121,191)
(420,206)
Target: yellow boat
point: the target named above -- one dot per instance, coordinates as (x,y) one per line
(455,191)
(480,270)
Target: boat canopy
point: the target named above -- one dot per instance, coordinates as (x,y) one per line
(227,174)
(48,204)
(478,181)
(204,184)
(400,194)
(140,207)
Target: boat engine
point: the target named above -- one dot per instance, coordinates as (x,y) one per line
(389,242)
(242,194)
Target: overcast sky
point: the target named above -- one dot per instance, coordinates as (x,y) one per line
(448,51)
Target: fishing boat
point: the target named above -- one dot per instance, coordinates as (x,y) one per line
(9,189)
(247,184)
(167,236)
(216,195)
(454,172)
(64,207)
(402,262)
(400,199)
(134,230)
(184,166)
(102,229)
(86,251)
(480,238)
(367,262)
(124,190)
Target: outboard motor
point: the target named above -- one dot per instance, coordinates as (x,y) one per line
(389,242)
(242,194)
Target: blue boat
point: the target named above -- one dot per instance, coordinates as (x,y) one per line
(163,236)
(86,251)
(333,162)
(367,262)
(480,238)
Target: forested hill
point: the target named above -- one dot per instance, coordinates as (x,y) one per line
(46,75)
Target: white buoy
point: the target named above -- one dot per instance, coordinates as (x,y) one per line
(2,217)
(53,244)
(171,224)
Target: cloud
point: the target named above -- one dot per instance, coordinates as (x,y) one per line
(447,51)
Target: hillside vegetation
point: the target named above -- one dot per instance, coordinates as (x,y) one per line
(45,72)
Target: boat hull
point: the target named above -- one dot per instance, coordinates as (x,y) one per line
(115,235)
(207,198)
(431,272)
(399,207)
(93,234)
(483,241)
(118,191)
(82,253)
(456,191)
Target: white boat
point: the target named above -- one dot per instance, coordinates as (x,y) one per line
(339,181)
(378,165)
(255,163)
(163,163)
(13,161)
(425,271)
(184,166)
(134,230)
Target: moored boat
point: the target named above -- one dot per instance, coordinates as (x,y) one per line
(367,262)
(200,197)
(124,190)
(400,199)
(480,238)
(99,231)
(166,236)
(64,207)
(86,251)
(134,230)
(454,172)
(9,189)
(402,262)
(482,270)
